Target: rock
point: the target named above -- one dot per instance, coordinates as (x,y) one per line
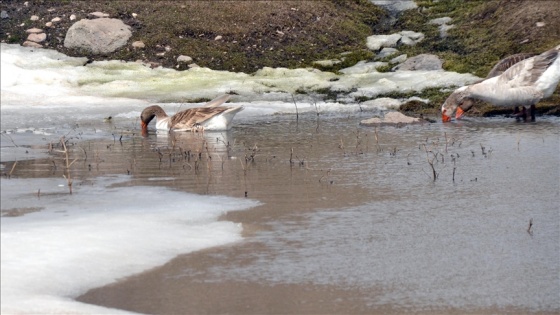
(398,59)
(37,37)
(385,52)
(443,30)
(4,15)
(410,38)
(421,62)
(416,36)
(98,14)
(443,26)
(34,30)
(540,24)
(34,18)
(441,20)
(49,24)
(98,36)
(138,44)
(375,42)
(185,59)
(134,15)
(72,17)
(391,119)
(219,37)
(56,19)
(395,6)
(32,44)
(194,65)
(327,63)
(363,67)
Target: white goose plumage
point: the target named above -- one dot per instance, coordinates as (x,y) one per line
(524,83)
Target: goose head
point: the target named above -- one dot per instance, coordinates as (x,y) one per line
(457,103)
(148,114)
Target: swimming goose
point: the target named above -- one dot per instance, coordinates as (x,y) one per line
(524,83)
(211,116)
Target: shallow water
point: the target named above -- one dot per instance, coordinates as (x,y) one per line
(357,209)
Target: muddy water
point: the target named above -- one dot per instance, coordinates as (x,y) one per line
(352,220)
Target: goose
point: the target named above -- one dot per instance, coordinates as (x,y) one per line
(525,82)
(497,70)
(211,116)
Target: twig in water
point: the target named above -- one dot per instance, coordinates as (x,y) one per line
(530,228)
(68,164)
(297,113)
(12,170)
(12,140)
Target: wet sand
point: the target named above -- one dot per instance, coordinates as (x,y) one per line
(165,291)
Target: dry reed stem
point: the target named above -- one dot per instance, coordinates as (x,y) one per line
(297,113)
(12,170)
(68,163)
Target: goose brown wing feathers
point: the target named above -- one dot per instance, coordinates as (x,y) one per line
(186,119)
(218,101)
(507,62)
(527,72)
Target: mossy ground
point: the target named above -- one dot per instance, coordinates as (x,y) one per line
(255,34)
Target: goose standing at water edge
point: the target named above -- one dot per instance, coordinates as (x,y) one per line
(211,116)
(525,83)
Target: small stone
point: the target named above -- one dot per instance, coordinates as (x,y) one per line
(161,54)
(4,15)
(34,37)
(385,52)
(398,59)
(138,44)
(391,118)
(167,48)
(98,14)
(185,59)
(34,30)
(441,21)
(194,65)
(134,15)
(219,37)
(32,44)
(56,19)
(49,24)
(72,17)
(26,3)
(540,24)
(34,18)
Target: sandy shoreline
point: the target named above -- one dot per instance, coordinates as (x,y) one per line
(158,292)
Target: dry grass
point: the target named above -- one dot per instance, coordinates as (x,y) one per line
(253,34)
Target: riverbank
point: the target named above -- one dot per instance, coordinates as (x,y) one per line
(247,36)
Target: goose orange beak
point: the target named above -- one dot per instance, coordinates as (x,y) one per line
(445,118)
(144,128)
(460,112)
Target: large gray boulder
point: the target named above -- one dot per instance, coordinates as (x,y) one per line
(98,36)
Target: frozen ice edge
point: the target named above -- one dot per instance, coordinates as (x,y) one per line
(96,236)
(43,77)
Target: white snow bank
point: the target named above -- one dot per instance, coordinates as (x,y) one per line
(96,236)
